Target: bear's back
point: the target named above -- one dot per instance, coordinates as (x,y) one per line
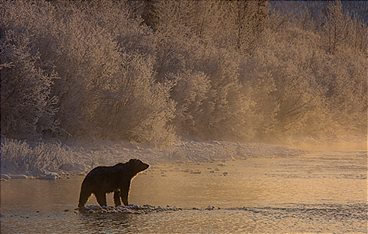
(103,178)
(112,173)
(108,171)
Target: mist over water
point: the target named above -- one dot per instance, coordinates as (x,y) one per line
(309,193)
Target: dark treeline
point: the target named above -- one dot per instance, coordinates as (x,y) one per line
(155,71)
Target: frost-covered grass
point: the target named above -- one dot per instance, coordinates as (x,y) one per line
(19,157)
(53,159)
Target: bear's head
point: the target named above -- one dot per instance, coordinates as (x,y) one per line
(137,165)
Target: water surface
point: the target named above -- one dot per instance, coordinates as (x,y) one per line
(309,193)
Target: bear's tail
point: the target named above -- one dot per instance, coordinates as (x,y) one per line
(84,195)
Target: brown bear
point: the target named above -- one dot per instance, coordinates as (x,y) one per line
(102,180)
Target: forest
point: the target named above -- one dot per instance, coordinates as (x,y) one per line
(158,71)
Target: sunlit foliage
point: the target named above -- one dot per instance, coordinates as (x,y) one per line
(157,71)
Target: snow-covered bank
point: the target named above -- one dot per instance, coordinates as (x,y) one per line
(51,160)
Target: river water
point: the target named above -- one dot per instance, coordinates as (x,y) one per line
(320,192)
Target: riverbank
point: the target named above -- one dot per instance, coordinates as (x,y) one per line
(55,159)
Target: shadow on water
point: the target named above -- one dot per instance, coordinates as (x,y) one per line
(104,221)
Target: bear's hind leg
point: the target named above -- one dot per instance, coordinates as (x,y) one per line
(83,197)
(117,198)
(101,198)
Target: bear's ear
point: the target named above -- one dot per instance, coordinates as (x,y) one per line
(133,161)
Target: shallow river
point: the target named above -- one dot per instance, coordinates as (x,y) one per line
(309,193)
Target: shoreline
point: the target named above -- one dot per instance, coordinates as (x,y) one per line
(52,160)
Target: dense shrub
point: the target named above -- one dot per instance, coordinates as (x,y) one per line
(138,108)
(203,70)
(27,105)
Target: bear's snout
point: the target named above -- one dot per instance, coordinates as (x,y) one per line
(145,166)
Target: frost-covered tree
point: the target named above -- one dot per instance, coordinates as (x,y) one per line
(83,45)
(341,29)
(228,24)
(153,71)
(139,108)
(27,105)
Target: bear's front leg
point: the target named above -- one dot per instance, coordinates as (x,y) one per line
(124,191)
(101,198)
(117,198)
(124,196)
